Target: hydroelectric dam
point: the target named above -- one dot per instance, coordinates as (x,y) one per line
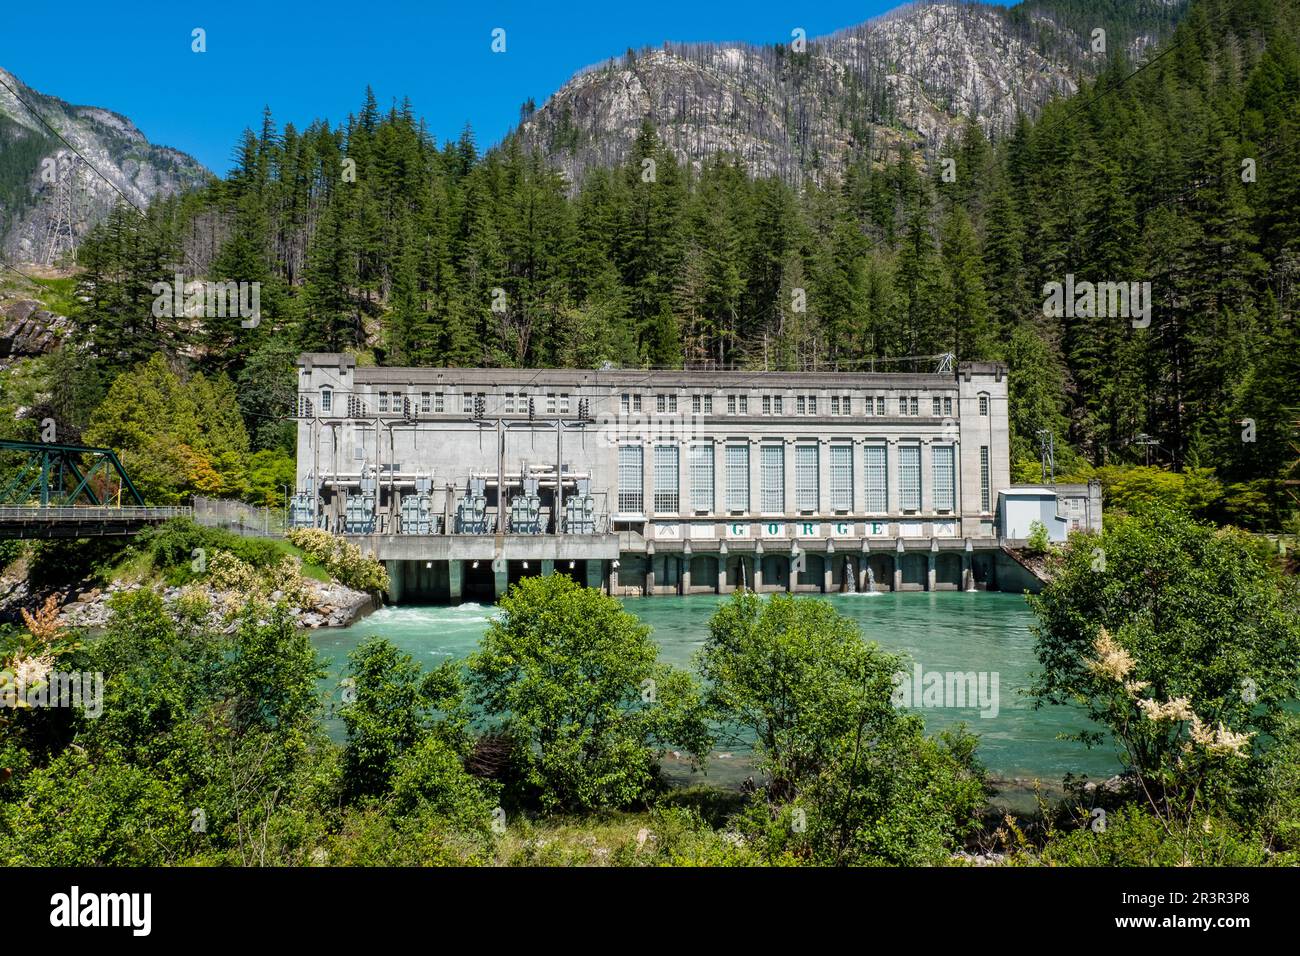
(671,482)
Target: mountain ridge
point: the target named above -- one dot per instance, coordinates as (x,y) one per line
(910,76)
(49,199)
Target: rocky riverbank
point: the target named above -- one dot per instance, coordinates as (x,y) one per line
(85,605)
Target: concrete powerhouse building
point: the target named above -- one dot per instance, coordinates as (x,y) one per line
(665,482)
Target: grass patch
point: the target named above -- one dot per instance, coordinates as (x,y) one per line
(58,295)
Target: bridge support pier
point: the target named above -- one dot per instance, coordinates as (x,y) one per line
(501,581)
(595,575)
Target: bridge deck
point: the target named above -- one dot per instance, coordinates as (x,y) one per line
(84,522)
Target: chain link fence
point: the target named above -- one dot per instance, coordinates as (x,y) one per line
(238,517)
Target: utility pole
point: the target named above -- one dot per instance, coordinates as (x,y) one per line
(1047,446)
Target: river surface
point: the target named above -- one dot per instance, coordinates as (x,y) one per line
(941,631)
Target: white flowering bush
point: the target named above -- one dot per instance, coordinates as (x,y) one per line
(241,583)
(343,560)
(1183,646)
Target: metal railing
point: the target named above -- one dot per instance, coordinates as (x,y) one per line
(92,513)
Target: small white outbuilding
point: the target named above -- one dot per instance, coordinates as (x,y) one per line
(1020,506)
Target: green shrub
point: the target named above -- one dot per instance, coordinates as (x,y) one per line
(576,681)
(1132,837)
(342,559)
(171,548)
(1038,541)
(851,779)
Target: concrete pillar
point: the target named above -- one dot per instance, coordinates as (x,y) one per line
(501,581)
(898,567)
(649,573)
(395,580)
(828,575)
(613,578)
(548,567)
(722,573)
(791,575)
(684,578)
(594,573)
(453,580)
(757,582)
(929,571)
(965,571)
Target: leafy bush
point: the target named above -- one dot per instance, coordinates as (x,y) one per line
(851,779)
(102,811)
(1038,541)
(171,548)
(1132,837)
(11,549)
(343,560)
(1183,643)
(576,681)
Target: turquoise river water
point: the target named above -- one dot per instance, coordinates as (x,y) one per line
(942,631)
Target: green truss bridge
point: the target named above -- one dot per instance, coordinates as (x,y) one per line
(70,491)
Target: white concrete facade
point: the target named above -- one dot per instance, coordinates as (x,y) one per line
(797,462)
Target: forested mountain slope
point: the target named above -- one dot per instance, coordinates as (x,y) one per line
(1181,173)
(805,108)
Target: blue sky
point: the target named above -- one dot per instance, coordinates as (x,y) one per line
(309,60)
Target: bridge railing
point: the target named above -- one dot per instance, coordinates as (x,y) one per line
(91,513)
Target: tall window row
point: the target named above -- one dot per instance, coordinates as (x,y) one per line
(877,471)
(841,461)
(944,475)
(806,461)
(807,478)
(985,503)
(909,477)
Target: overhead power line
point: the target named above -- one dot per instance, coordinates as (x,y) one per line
(31,109)
(1113,88)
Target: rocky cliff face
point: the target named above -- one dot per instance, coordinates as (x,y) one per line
(48,196)
(27,329)
(910,77)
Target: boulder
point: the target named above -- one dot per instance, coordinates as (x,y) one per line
(27,329)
